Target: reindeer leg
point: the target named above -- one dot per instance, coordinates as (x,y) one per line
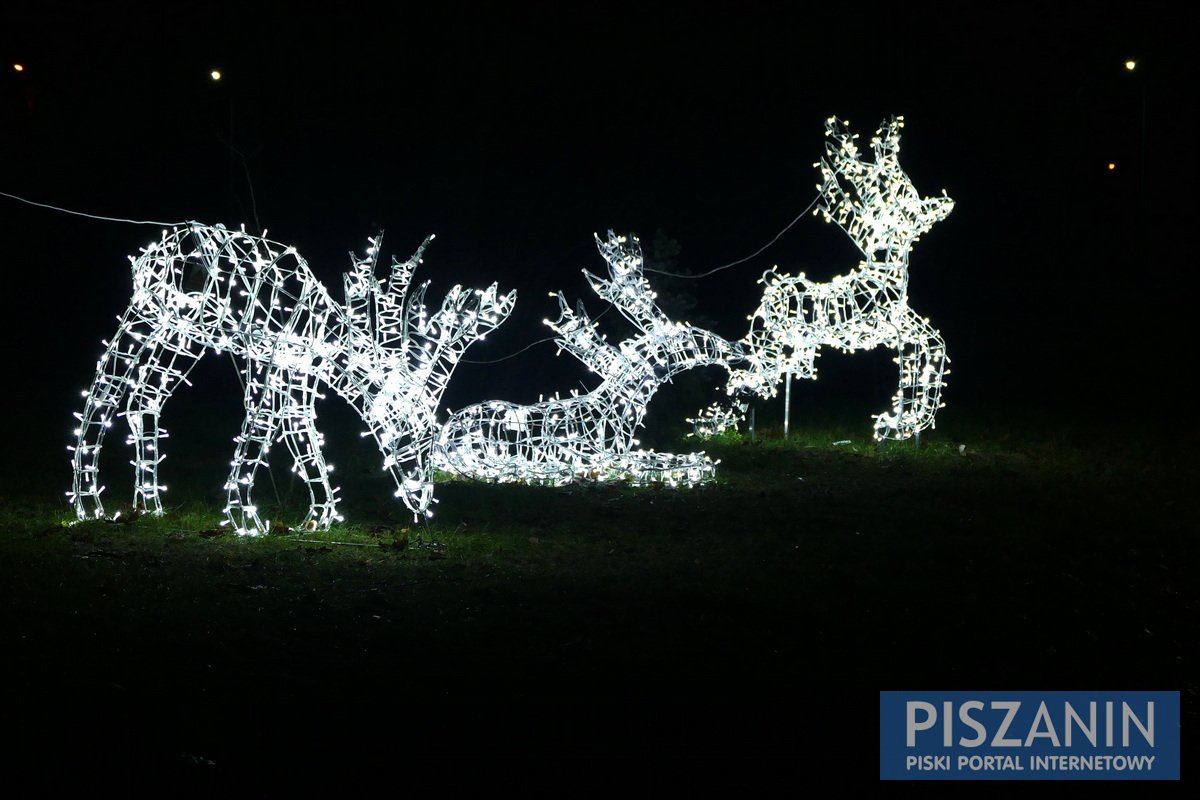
(263,385)
(922,359)
(108,389)
(415,484)
(167,364)
(304,442)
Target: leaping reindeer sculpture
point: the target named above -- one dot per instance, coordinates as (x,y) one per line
(591,436)
(207,288)
(878,207)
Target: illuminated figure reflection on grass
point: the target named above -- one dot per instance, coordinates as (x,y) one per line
(208,288)
(591,436)
(881,211)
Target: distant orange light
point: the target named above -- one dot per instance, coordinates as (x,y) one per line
(1111,165)
(19,67)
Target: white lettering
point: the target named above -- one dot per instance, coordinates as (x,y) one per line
(1089,730)
(998,740)
(964,714)
(913,726)
(1042,718)
(1147,729)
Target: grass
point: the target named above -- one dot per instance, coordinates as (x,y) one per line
(687,626)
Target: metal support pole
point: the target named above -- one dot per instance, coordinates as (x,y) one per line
(787,404)
(751,424)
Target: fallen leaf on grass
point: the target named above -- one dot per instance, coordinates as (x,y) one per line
(126,516)
(399,543)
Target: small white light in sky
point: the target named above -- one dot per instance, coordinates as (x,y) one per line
(19,67)
(216,74)
(1131,65)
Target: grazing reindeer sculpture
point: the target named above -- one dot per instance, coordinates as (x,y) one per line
(207,288)
(591,436)
(878,207)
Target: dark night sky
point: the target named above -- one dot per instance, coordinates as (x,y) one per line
(514,133)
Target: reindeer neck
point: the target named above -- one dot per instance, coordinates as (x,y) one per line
(630,389)
(892,272)
(653,352)
(359,367)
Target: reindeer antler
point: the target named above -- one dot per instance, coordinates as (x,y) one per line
(394,319)
(875,203)
(628,289)
(377,307)
(579,337)
(393,297)
(360,287)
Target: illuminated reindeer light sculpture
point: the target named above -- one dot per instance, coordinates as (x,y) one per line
(878,207)
(591,436)
(207,288)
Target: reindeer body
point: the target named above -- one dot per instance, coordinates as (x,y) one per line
(206,288)
(591,435)
(878,207)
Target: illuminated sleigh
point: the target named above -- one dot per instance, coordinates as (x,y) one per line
(591,436)
(881,211)
(207,288)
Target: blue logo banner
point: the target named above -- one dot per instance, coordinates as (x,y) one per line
(1029,736)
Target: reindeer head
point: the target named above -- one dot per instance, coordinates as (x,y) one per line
(668,346)
(401,357)
(875,203)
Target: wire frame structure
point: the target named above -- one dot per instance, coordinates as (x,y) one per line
(718,418)
(591,436)
(875,203)
(204,288)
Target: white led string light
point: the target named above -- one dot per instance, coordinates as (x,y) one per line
(591,436)
(207,288)
(881,211)
(718,418)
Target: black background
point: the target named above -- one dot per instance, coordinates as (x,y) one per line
(513,133)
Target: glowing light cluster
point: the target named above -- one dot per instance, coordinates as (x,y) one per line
(591,436)
(718,418)
(208,288)
(204,288)
(878,207)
